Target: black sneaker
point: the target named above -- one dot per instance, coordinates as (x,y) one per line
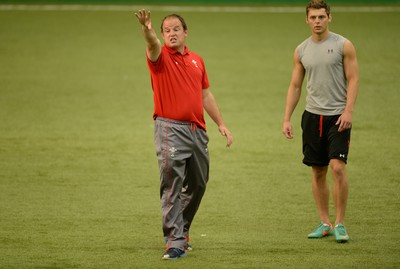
(173,254)
(188,247)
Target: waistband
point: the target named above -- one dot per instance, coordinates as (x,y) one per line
(192,125)
(174,121)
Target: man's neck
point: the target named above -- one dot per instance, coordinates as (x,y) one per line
(320,37)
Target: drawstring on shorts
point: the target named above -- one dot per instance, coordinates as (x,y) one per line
(321,120)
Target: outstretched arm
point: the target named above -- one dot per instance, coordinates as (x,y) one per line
(350,63)
(211,107)
(293,95)
(153,48)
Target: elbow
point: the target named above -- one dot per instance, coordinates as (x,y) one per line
(296,89)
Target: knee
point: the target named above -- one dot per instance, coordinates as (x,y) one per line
(338,169)
(319,173)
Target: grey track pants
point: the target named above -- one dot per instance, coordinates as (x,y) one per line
(183,161)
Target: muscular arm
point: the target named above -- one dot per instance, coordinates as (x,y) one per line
(351,72)
(211,107)
(153,44)
(293,95)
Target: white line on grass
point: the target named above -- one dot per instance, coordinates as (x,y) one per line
(225,9)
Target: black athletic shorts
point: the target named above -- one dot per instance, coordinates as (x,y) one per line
(322,141)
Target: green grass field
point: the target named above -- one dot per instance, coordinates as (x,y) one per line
(79,184)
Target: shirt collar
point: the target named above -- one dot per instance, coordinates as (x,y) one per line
(172,51)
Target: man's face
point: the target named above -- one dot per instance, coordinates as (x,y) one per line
(318,20)
(173,33)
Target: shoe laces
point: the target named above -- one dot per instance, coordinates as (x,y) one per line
(341,230)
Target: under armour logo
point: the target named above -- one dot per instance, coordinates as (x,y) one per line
(342,155)
(330,51)
(195,63)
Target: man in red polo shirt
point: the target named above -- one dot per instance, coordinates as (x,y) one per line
(180,86)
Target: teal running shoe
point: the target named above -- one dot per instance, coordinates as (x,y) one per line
(323,229)
(341,234)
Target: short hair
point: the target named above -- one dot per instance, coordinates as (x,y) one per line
(318,4)
(180,18)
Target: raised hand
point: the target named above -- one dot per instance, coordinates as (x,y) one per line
(143,17)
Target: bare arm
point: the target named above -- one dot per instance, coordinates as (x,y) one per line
(153,48)
(293,95)
(210,105)
(351,71)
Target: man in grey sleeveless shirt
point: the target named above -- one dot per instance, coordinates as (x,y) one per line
(329,62)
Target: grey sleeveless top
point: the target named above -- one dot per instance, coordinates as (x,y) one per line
(326,81)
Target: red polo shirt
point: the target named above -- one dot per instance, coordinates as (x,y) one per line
(178,81)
